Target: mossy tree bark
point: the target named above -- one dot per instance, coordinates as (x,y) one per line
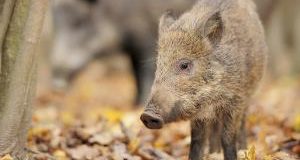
(20,27)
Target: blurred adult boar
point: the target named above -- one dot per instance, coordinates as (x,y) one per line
(86,29)
(210,61)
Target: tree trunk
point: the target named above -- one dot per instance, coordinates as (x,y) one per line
(20,27)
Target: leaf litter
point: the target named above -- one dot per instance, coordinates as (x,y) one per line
(79,125)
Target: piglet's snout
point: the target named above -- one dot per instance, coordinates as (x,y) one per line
(151,120)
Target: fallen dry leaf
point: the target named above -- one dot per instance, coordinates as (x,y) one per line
(6,157)
(102,138)
(83,152)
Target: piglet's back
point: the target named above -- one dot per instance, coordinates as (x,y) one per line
(243,48)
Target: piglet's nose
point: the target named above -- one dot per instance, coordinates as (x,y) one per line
(151,121)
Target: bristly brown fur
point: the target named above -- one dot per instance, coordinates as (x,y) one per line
(225,44)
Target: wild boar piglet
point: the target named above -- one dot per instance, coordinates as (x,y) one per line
(210,62)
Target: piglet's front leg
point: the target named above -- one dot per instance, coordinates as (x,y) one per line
(198,137)
(215,136)
(229,136)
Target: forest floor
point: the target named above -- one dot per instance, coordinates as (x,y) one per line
(95,120)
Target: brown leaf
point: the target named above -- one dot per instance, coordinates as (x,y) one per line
(102,139)
(83,152)
(120,152)
(151,153)
(6,157)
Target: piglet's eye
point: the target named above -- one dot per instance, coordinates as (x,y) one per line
(184,65)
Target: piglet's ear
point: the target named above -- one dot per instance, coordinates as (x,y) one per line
(166,20)
(213,28)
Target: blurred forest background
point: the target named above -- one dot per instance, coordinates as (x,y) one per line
(85,104)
